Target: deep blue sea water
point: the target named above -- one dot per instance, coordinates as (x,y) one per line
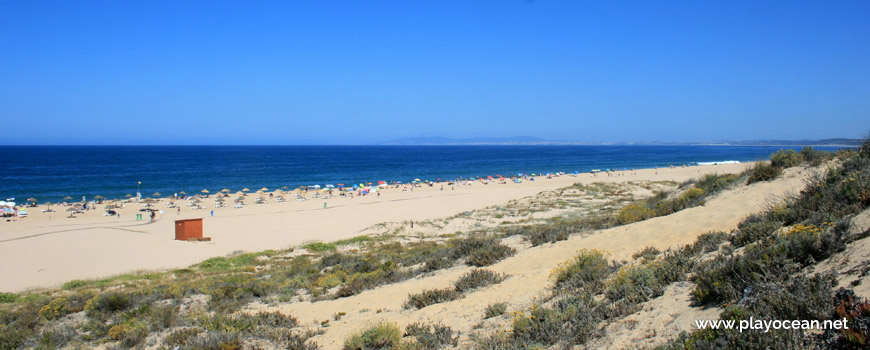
(52,172)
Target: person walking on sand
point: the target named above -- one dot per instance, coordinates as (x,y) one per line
(179,210)
(152,216)
(324,205)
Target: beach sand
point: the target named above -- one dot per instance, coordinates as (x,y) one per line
(48,249)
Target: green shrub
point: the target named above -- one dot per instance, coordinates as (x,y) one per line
(481,251)
(585,272)
(381,336)
(754,228)
(709,242)
(74,284)
(163,316)
(432,337)
(712,183)
(541,326)
(215,264)
(353,240)
(646,254)
(634,213)
(763,171)
(320,247)
(108,303)
(238,324)
(57,308)
(181,337)
(435,263)
(128,334)
(386,273)
(8,297)
(812,156)
(432,296)
(493,310)
(476,279)
(634,284)
(55,337)
(785,159)
(691,194)
(216,341)
(275,319)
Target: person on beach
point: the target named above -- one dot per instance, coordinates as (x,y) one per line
(152,216)
(179,210)
(324,205)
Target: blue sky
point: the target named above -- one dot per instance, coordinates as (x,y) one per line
(346,72)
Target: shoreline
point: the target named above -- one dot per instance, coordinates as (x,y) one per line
(601,170)
(48,249)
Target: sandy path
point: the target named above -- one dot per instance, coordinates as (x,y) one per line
(47,249)
(528,270)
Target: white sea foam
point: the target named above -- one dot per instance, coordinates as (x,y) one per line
(722,162)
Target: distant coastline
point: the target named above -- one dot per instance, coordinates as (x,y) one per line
(536,141)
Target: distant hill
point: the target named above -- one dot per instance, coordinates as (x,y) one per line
(530,140)
(444,141)
(824,142)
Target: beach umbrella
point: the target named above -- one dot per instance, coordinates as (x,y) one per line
(182,193)
(240,193)
(204,191)
(382,182)
(128,195)
(71,209)
(31,199)
(99,197)
(264,189)
(246,189)
(156,194)
(67,198)
(48,204)
(330,186)
(225,190)
(285,188)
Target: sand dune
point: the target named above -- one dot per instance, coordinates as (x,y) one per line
(528,270)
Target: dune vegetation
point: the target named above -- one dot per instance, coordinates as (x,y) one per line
(757,270)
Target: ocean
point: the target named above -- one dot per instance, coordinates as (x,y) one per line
(53,172)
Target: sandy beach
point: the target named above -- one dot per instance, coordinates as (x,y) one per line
(48,249)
